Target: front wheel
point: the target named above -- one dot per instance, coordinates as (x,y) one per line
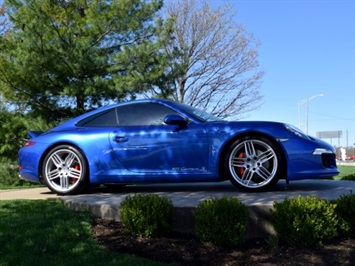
(64,170)
(254,163)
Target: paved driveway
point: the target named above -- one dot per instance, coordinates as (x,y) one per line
(190,194)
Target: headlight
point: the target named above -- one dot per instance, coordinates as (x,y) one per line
(320,151)
(296,131)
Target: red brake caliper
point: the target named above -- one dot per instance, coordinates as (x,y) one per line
(76,167)
(241,170)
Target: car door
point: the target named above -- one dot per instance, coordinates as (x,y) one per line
(143,143)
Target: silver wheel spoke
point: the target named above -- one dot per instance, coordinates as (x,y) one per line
(266,156)
(64,182)
(238,162)
(247,176)
(56,160)
(249,149)
(263,173)
(74,173)
(69,159)
(53,174)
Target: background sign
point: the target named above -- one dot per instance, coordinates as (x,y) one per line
(329,134)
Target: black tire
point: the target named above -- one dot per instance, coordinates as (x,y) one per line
(64,170)
(254,163)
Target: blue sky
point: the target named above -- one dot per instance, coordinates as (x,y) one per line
(307,48)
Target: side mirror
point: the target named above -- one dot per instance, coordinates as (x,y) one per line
(175,120)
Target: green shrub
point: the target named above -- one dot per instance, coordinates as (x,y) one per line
(345,209)
(13,131)
(9,175)
(221,221)
(350,177)
(305,222)
(147,215)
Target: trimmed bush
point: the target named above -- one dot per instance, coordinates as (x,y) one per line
(221,221)
(350,177)
(305,222)
(147,215)
(345,208)
(9,174)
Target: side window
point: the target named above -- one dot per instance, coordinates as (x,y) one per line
(143,114)
(106,118)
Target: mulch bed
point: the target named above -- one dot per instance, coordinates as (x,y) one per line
(187,249)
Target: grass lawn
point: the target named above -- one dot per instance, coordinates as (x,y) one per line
(22,186)
(44,232)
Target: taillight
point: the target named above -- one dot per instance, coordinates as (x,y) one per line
(29,143)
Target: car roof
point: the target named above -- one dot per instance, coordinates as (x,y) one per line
(71,123)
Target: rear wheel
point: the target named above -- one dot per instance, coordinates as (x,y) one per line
(254,163)
(64,170)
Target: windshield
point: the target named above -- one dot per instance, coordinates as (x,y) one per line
(198,114)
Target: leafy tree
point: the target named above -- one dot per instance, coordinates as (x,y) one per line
(13,131)
(62,58)
(4,22)
(219,71)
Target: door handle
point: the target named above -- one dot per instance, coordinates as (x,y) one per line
(120,139)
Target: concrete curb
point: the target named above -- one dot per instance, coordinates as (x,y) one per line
(258,224)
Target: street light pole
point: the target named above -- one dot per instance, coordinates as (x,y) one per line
(306,101)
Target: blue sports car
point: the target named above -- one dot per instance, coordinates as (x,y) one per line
(165,141)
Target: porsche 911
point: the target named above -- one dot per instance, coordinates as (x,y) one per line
(155,140)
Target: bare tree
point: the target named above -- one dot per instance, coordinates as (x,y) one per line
(218,59)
